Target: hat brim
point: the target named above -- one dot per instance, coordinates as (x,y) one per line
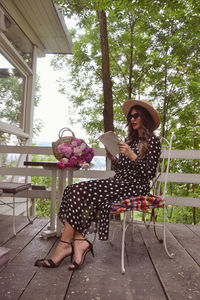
(127,105)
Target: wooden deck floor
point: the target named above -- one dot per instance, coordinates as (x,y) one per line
(150,274)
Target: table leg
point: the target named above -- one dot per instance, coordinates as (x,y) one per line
(61,186)
(51,229)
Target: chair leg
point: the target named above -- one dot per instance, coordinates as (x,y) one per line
(32,208)
(132,221)
(171,255)
(154,226)
(147,223)
(27,213)
(123,243)
(14,226)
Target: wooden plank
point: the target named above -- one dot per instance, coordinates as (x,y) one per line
(14,12)
(31,194)
(49,284)
(39,150)
(47,172)
(26,171)
(194,228)
(183,154)
(24,237)
(101,278)
(26,149)
(3,219)
(17,275)
(188,239)
(8,128)
(6,228)
(146,284)
(175,177)
(183,201)
(180,276)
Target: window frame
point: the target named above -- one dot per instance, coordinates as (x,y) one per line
(18,62)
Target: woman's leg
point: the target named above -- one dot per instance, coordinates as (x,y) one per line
(80,247)
(63,249)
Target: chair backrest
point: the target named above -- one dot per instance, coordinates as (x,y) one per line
(163,166)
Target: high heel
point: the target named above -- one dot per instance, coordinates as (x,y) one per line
(89,249)
(41,262)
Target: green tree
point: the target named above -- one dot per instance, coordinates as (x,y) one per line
(151,52)
(128,46)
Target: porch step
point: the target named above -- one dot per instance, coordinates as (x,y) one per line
(4,257)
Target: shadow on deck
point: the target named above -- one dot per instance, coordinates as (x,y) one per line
(150,274)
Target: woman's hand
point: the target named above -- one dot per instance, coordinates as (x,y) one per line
(127,151)
(111,157)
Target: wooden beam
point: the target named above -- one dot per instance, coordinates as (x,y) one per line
(14,56)
(12,9)
(39,150)
(13,130)
(182,154)
(30,97)
(184,178)
(183,201)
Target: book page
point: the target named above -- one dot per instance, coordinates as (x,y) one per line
(110,141)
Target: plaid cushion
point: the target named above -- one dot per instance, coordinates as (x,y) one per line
(141,203)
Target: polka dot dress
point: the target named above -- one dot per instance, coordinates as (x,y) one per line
(86,205)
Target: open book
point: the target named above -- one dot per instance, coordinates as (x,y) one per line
(110,141)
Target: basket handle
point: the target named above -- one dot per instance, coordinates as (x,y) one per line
(60,134)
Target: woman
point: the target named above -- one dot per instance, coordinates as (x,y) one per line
(87,204)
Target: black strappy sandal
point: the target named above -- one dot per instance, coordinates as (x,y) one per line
(41,263)
(89,249)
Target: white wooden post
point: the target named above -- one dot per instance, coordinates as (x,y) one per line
(28,126)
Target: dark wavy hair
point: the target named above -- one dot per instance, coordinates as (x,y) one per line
(147,126)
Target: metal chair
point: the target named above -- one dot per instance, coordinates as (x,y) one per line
(144,203)
(14,188)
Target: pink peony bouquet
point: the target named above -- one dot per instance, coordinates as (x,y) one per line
(77,154)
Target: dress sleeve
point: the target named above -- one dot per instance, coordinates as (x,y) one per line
(115,165)
(147,166)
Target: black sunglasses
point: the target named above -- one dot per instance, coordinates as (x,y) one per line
(134,116)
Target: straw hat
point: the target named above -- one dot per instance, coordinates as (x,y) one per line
(127,105)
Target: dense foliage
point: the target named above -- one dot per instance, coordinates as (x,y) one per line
(152,54)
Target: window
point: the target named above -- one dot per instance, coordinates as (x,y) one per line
(12,89)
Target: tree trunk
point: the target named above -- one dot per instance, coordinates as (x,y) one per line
(107,83)
(163,132)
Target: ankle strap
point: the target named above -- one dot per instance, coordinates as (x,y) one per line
(65,242)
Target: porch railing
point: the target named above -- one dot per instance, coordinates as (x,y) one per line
(25,153)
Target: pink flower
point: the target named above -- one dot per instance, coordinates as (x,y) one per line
(88,157)
(61,165)
(74,159)
(62,148)
(81,162)
(72,162)
(68,151)
(64,160)
(77,151)
(83,146)
(76,142)
(69,164)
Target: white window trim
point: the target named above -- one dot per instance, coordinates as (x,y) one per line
(15,58)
